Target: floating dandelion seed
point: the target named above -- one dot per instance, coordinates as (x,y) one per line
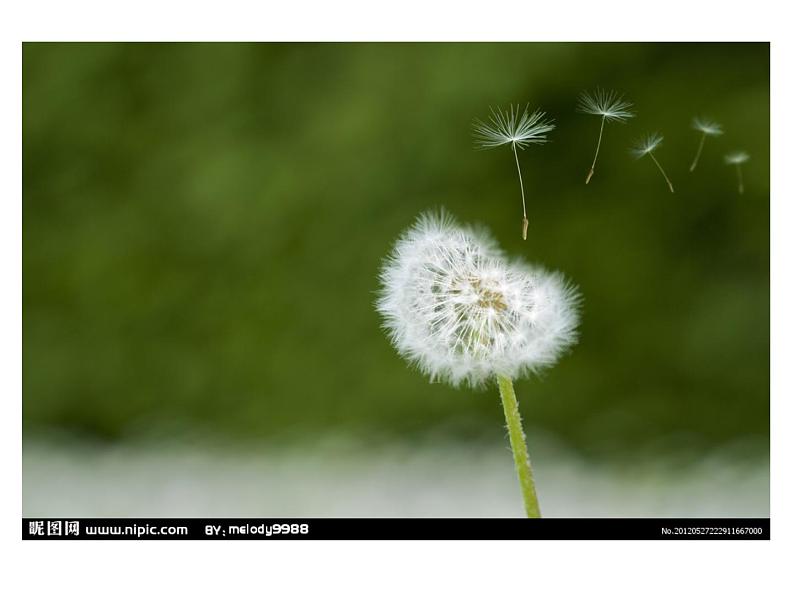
(707,128)
(519,130)
(455,307)
(737,158)
(611,107)
(646,146)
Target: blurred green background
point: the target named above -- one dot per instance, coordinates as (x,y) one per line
(204,223)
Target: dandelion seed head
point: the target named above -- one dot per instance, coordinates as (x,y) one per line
(647,144)
(512,126)
(737,157)
(607,104)
(707,127)
(455,307)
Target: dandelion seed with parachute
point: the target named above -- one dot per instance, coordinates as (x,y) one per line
(517,129)
(737,158)
(611,107)
(646,146)
(707,128)
(455,307)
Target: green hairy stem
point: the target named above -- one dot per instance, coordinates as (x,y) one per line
(519,446)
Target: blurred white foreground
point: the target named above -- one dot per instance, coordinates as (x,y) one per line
(429,480)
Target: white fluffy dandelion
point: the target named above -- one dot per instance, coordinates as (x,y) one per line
(458,309)
(610,107)
(517,129)
(646,146)
(737,158)
(455,307)
(707,128)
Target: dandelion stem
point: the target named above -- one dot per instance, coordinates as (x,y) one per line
(658,165)
(525,221)
(697,155)
(741,181)
(519,446)
(598,146)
